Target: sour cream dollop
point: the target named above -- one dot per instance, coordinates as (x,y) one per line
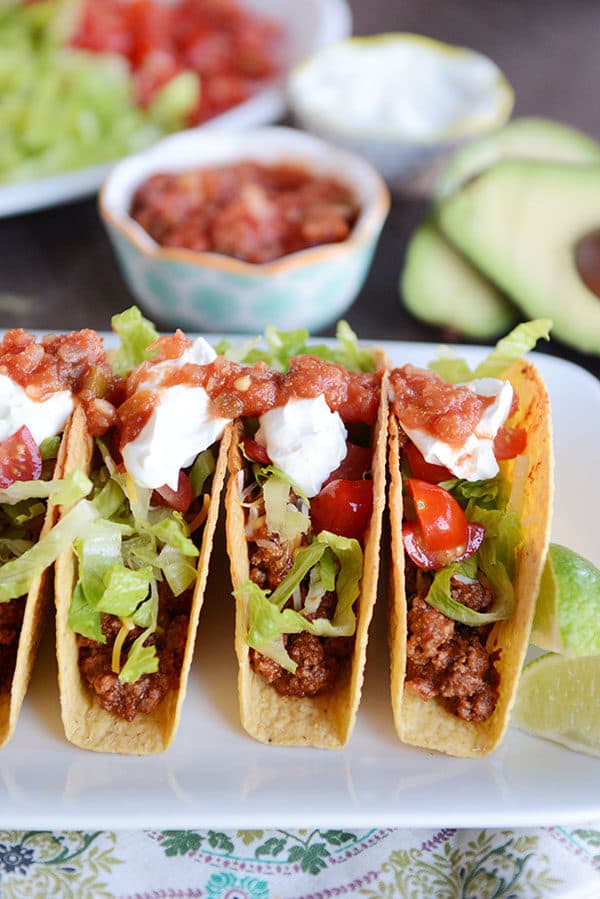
(181,424)
(305,439)
(44,418)
(474,459)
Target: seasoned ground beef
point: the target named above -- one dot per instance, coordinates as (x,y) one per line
(319,659)
(449,660)
(270,559)
(143,696)
(11,619)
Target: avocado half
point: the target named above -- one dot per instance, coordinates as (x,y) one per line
(525,138)
(520,222)
(440,287)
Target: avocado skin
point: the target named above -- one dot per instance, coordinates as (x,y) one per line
(519,222)
(440,287)
(524,138)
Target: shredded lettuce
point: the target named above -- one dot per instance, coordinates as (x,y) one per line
(521,340)
(282,346)
(62,492)
(449,366)
(484,493)
(517,343)
(17,575)
(84,619)
(140,660)
(268,620)
(201,470)
(282,517)
(439,597)
(124,590)
(135,334)
(128,548)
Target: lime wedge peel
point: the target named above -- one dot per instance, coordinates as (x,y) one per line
(567,614)
(559,699)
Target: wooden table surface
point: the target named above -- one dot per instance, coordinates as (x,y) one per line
(59,263)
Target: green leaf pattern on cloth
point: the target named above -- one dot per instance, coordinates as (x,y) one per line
(302,864)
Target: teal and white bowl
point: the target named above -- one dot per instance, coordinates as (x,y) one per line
(212,292)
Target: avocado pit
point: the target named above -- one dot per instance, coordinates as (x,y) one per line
(587,261)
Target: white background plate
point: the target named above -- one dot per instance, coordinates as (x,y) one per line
(309,24)
(216,776)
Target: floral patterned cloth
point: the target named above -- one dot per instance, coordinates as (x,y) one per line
(279,864)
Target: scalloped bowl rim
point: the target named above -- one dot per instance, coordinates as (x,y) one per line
(474,126)
(270,143)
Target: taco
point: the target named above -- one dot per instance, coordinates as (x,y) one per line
(41,381)
(304,506)
(470,507)
(130,589)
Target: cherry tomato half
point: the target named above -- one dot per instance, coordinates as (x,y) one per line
(424,558)
(342,507)
(423,470)
(442,521)
(256,451)
(355,464)
(179,499)
(20,458)
(510,442)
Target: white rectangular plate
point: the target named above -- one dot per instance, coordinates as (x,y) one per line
(215,776)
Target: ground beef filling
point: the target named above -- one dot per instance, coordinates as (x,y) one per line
(319,659)
(11,619)
(450,661)
(146,694)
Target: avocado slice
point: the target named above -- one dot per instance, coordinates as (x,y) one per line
(520,222)
(440,287)
(526,138)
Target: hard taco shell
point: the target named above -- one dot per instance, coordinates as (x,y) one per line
(36,607)
(325,721)
(429,724)
(86,724)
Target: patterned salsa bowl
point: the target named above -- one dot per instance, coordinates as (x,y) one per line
(209,291)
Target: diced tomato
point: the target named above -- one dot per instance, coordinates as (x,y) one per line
(430,560)
(256,451)
(442,521)
(424,471)
(510,442)
(179,499)
(343,507)
(354,466)
(20,458)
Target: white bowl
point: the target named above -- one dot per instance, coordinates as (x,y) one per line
(209,291)
(309,24)
(406,151)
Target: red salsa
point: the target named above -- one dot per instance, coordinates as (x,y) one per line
(256,213)
(234,51)
(250,391)
(423,400)
(74,361)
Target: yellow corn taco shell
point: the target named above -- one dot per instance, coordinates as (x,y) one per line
(429,724)
(325,721)
(86,724)
(36,606)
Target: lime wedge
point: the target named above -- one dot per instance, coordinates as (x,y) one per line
(567,613)
(559,699)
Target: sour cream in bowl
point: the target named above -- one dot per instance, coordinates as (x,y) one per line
(403,101)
